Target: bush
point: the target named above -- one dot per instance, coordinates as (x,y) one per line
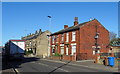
(28,52)
(57,54)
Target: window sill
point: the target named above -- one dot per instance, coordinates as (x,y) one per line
(73,40)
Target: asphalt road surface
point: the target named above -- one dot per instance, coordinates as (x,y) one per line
(39,65)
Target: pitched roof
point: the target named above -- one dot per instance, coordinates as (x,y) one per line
(71,28)
(35,35)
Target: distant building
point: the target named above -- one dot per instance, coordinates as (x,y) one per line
(81,41)
(38,43)
(1,49)
(116,51)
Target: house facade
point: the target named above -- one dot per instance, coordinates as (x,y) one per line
(38,43)
(116,51)
(80,41)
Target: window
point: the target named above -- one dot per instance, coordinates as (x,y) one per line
(57,37)
(62,50)
(53,39)
(53,50)
(67,37)
(73,35)
(93,52)
(56,48)
(73,49)
(67,51)
(30,43)
(62,38)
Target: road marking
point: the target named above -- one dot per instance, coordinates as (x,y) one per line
(40,63)
(64,63)
(79,65)
(17,71)
(62,69)
(51,66)
(53,61)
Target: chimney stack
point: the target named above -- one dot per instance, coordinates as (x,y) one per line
(65,26)
(40,31)
(75,21)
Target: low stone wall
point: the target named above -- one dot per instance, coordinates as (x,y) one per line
(64,57)
(67,58)
(102,60)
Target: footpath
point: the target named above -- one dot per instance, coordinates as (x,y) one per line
(88,64)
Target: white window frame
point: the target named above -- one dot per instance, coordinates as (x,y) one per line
(67,37)
(93,52)
(73,36)
(73,49)
(53,39)
(62,38)
(66,50)
(61,49)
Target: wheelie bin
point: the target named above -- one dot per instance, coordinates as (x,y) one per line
(111,61)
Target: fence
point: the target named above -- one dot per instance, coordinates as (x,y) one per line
(117,55)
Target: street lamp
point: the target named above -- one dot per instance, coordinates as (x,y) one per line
(96,49)
(96,39)
(49,21)
(49,35)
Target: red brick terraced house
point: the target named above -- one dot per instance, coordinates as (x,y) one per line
(80,41)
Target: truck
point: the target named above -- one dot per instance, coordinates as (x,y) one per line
(14,49)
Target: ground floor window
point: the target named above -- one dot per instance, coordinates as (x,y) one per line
(67,51)
(56,49)
(93,52)
(53,50)
(62,50)
(73,49)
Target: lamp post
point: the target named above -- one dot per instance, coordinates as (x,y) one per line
(96,47)
(49,21)
(49,38)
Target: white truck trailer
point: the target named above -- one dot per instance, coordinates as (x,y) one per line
(14,49)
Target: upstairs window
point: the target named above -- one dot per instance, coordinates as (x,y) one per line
(73,36)
(62,39)
(57,38)
(67,37)
(53,39)
(73,49)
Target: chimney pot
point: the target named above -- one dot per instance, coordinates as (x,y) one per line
(65,26)
(75,21)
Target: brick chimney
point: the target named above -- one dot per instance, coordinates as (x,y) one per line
(65,26)
(75,21)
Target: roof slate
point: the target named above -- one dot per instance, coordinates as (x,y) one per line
(71,28)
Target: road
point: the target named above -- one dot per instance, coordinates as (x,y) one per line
(41,65)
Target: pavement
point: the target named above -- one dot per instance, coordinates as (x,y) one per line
(88,64)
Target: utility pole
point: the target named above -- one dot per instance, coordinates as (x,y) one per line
(49,36)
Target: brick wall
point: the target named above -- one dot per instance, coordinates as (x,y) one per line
(85,40)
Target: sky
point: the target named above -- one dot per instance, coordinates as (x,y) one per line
(22,18)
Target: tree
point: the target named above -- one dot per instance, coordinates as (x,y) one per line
(115,41)
(112,36)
